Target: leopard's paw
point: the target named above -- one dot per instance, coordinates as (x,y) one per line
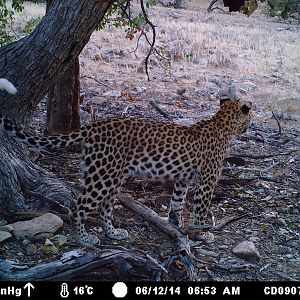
(89,240)
(118,234)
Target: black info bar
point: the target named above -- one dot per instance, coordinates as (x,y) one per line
(139,290)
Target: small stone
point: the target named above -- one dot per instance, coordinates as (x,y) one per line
(207,88)
(277,75)
(25,242)
(207,253)
(59,239)
(49,247)
(42,236)
(282,221)
(164,207)
(4,235)
(223,247)
(246,250)
(185,121)
(137,90)
(254,239)
(269,215)
(48,243)
(7,228)
(2,222)
(112,93)
(207,237)
(97,229)
(247,86)
(140,69)
(31,249)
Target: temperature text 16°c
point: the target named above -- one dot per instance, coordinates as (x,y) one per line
(83,290)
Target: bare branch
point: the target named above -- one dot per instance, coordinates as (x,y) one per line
(153,37)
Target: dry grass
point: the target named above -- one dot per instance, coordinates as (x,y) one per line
(31,11)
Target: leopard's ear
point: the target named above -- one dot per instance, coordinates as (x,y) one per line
(223,100)
(246,108)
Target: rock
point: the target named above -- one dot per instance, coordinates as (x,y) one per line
(112,53)
(223,247)
(31,249)
(277,75)
(207,88)
(254,239)
(207,252)
(47,223)
(59,239)
(247,86)
(2,222)
(224,92)
(49,247)
(85,117)
(246,250)
(163,208)
(185,122)
(26,242)
(7,228)
(207,237)
(137,90)
(42,236)
(112,93)
(167,2)
(4,235)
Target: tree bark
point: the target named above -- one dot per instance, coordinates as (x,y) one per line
(63,103)
(33,64)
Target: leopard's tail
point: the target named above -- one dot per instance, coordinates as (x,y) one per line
(7,86)
(45,142)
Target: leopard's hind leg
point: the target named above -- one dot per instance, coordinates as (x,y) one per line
(109,192)
(176,206)
(80,213)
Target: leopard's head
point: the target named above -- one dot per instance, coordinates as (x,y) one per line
(241,111)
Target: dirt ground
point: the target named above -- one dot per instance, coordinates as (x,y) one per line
(209,53)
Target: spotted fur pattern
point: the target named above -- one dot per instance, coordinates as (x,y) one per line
(116,148)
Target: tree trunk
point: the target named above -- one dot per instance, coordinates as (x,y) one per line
(63,103)
(33,64)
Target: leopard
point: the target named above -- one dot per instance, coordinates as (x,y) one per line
(117,148)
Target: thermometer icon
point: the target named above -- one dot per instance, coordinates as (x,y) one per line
(64,293)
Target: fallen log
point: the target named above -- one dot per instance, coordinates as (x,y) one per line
(78,264)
